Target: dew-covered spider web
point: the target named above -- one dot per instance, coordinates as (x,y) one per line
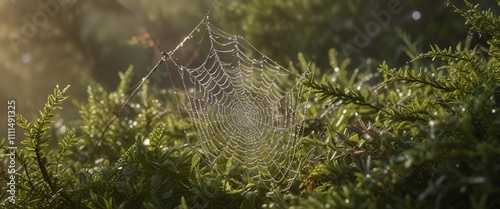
(246,108)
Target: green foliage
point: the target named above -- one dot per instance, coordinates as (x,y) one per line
(282,28)
(42,178)
(424,135)
(433,143)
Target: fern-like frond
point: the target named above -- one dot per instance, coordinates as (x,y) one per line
(338,94)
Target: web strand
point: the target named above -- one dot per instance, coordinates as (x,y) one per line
(241,103)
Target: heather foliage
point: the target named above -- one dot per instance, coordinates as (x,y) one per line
(424,135)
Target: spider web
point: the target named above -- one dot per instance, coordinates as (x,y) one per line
(246,108)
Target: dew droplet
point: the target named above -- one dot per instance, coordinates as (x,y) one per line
(100,160)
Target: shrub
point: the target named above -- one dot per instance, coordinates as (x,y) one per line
(420,136)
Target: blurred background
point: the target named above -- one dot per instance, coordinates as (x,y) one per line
(45,43)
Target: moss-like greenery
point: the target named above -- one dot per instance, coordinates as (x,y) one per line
(425,135)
